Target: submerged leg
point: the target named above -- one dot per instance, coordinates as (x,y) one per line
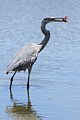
(11,95)
(29,71)
(12,80)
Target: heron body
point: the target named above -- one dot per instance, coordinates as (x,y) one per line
(28,54)
(24,58)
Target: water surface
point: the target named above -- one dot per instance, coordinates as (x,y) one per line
(55,78)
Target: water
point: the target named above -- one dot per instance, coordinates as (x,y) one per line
(55,79)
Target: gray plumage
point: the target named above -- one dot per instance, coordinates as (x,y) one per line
(24,58)
(28,54)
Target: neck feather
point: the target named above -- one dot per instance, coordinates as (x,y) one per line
(46,34)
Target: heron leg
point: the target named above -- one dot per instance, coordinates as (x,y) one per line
(29,71)
(12,80)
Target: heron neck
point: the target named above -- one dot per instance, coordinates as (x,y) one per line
(46,34)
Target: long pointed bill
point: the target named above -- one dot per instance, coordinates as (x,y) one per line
(61,19)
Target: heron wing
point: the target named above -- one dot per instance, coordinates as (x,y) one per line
(25,57)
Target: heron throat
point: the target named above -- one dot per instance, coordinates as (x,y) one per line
(46,34)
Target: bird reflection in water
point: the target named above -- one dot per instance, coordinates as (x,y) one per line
(21,111)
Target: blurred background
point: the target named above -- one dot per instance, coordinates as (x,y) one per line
(55,77)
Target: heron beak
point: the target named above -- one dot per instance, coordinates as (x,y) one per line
(61,19)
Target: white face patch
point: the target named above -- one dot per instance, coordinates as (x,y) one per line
(52,17)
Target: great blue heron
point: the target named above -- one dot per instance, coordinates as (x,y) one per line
(28,54)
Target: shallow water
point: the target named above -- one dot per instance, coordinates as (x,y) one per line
(55,78)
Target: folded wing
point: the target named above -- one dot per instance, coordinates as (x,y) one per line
(24,58)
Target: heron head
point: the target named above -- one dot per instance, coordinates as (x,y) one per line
(53,19)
